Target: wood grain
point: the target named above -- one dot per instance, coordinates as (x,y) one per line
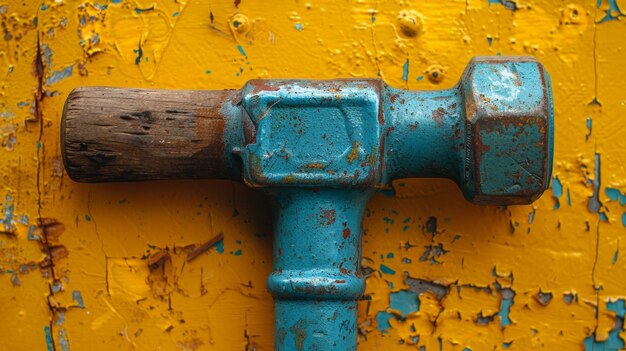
(119,134)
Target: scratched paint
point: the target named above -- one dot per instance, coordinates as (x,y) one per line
(487,290)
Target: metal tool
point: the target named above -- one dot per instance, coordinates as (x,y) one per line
(319,149)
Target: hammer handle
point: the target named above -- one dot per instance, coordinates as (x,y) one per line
(119,134)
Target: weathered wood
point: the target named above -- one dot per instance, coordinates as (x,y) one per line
(118,134)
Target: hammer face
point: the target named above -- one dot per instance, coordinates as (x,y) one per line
(509,130)
(313,133)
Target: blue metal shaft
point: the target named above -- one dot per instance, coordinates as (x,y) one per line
(426,131)
(316,280)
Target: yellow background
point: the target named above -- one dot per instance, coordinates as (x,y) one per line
(80,275)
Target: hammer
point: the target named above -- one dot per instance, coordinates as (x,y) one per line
(319,150)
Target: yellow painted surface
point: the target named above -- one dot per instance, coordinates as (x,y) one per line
(83,277)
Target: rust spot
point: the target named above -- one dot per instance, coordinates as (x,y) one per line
(438,115)
(346,233)
(354,153)
(328,216)
(299,332)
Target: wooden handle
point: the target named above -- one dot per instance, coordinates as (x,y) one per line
(119,134)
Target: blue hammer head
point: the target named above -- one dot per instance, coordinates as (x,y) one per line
(492,133)
(319,149)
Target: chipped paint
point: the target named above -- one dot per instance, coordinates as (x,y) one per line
(218,301)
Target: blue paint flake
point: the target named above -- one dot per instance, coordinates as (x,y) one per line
(615,255)
(139,53)
(58,76)
(405,302)
(298,26)
(373,19)
(175,14)
(219,246)
(386,270)
(236,253)
(23,219)
(624,219)
(615,194)
(116,1)
(63,340)
(613,342)
(382,320)
(569,199)
(32,236)
(505,309)
(78,298)
(589,128)
(612,13)
(489,40)
(390,255)
(88,218)
(56,286)
(419,78)
(603,217)
(7,217)
(557,191)
(240,48)
(49,342)
(405,70)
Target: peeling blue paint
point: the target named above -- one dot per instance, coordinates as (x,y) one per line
(603,217)
(405,70)
(386,270)
(382,319)
(615,194)
(32,236)
(7,217)
(78,298)
(531,217)
(236,253)
(56,286)
(613,342)
(624,219)
(405,302)
(507,4)
(613,11)
(58,76)
(219,246)
(507,301)
(557,191)
(49,342)
(23,219)
(63,340)
(589,128)
(298,26)
(88,218)
(594,204)
(139,53)
(240,48)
